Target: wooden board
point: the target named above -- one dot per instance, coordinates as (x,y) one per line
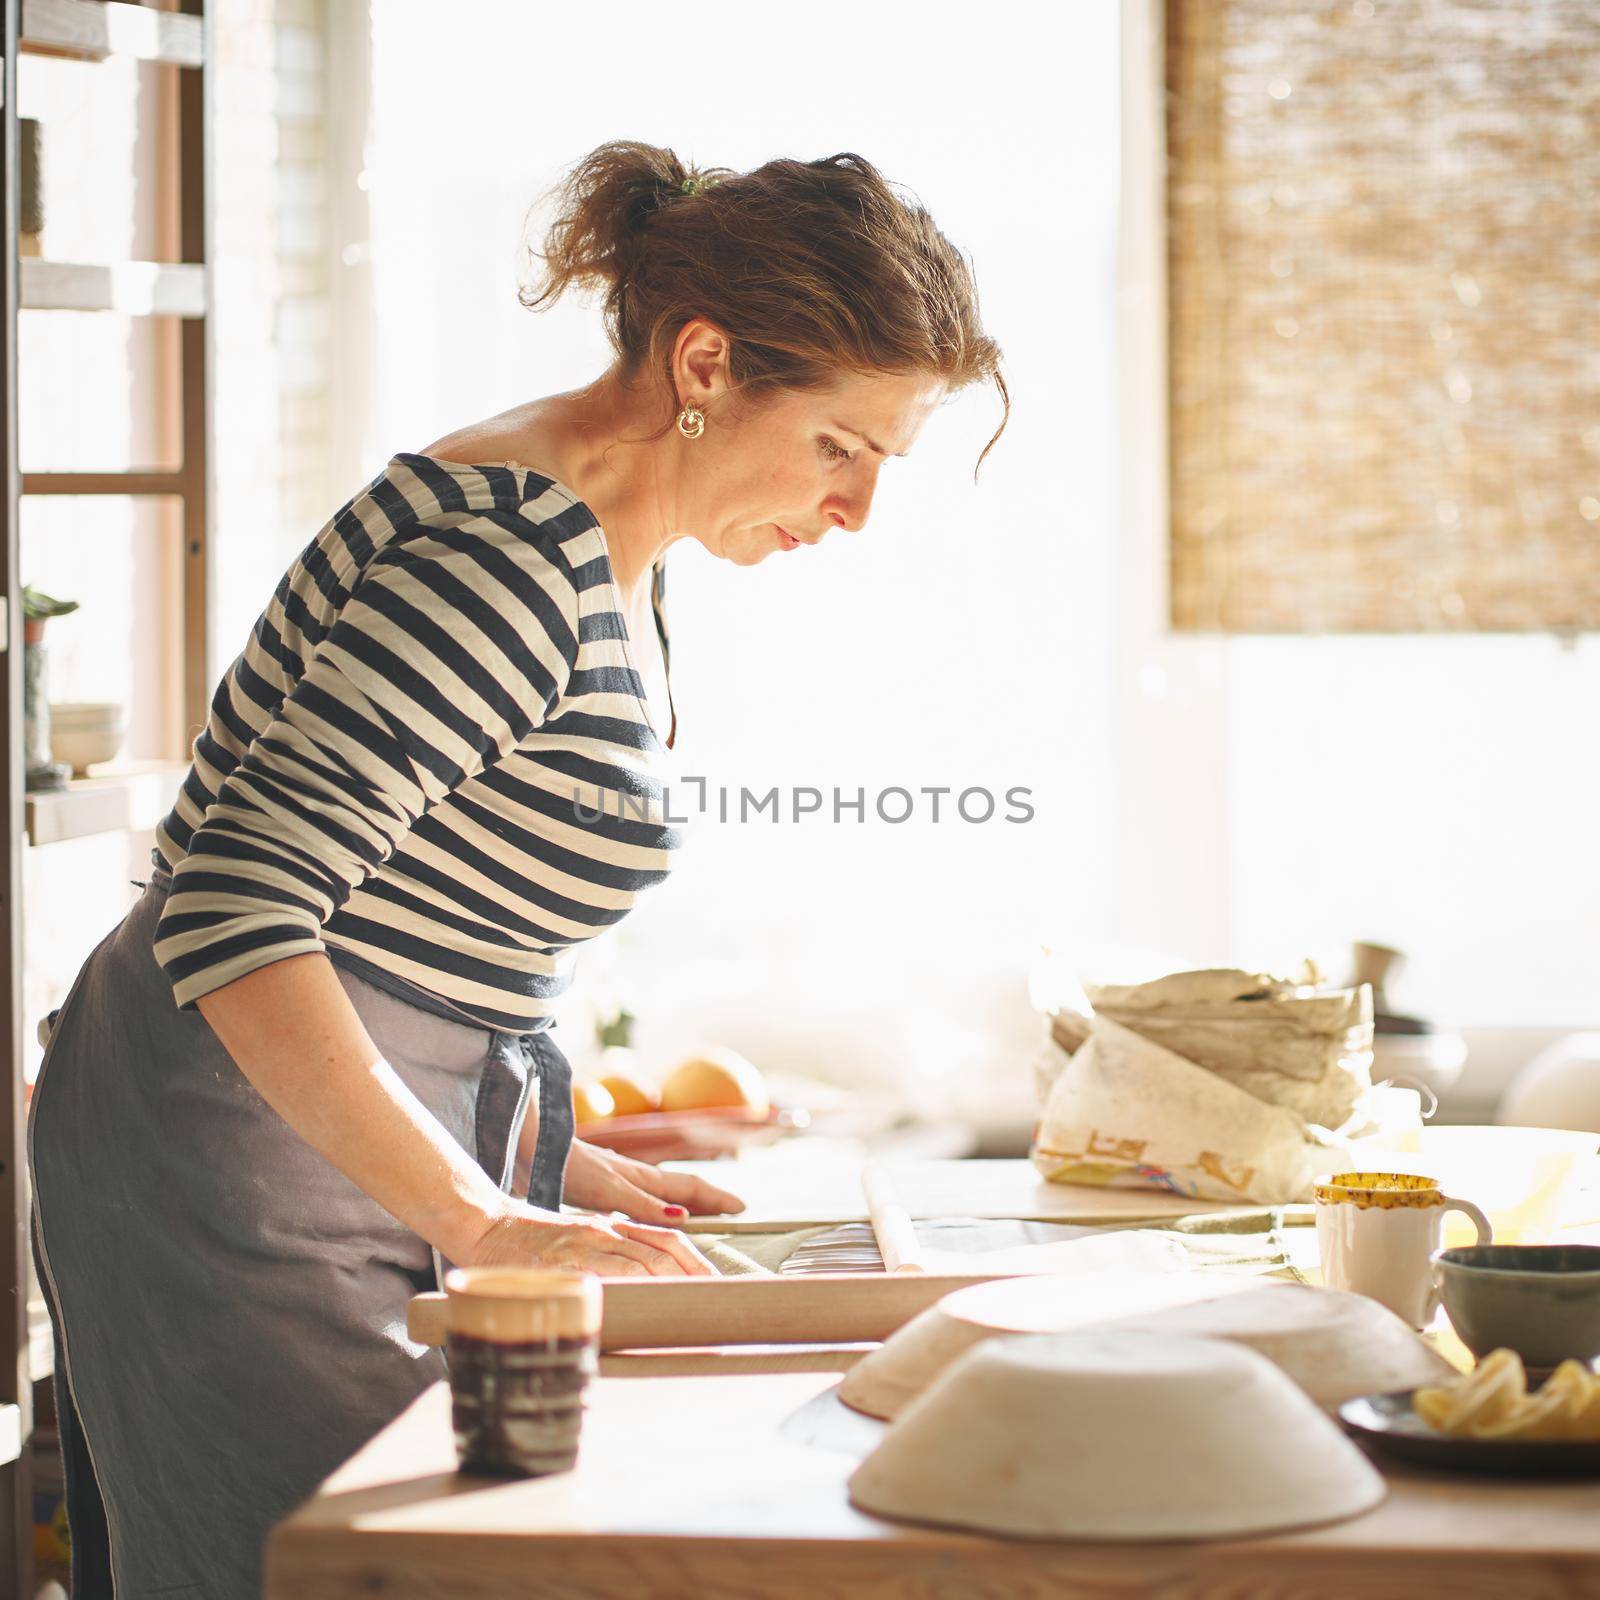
(679,1313)
(723,1486)
(783,1190)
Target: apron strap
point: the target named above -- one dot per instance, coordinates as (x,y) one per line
(556,1130)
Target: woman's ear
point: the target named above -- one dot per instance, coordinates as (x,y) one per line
(700,361)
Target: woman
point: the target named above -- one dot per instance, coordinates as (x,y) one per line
(296,1079)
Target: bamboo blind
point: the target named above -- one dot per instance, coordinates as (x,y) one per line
(1384,237)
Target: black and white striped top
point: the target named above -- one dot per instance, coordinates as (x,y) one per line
(434,754)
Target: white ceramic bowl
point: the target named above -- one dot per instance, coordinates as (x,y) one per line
(1335,1346)
(83,732)
(1559,1088)
(1125,1273)
(1131,1437)
(1525,1179)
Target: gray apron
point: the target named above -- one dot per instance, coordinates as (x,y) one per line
(229,1308)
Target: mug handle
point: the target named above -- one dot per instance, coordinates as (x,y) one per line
(428,1317)
(1479,1221)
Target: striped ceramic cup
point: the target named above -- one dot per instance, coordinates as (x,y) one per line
(522,1344)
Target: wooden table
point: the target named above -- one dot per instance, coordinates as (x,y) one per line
(726,1480)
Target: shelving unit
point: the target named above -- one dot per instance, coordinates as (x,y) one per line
(132,799)
(91,30)
(135,288)
(137,795)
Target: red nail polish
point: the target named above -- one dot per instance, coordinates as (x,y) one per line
(677,1211)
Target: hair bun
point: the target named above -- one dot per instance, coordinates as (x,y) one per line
(853,275)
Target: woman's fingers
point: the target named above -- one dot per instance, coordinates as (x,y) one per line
(702,1198)
(643,1205)
(603,1240)
(529,1237)
(614,1266)
(677,1188)
(672,1244)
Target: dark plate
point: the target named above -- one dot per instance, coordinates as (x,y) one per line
(1390,1424)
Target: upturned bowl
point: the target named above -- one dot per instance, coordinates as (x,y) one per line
(1115,1436)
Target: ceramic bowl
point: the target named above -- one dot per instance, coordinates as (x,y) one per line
(83,732)
(1335,1346)
(1130,1437)
(1120,1274)
(1541,1300)
(1525,1179)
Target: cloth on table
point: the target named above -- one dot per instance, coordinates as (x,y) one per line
(1256,1240)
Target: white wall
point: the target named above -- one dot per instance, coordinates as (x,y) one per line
(966,637)
(1208,800)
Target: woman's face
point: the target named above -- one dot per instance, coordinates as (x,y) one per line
(798,465)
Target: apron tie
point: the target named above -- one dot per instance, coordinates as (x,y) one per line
(556,1130)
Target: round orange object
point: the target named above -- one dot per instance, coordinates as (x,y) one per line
(715,1078)
(591,1101)
(633,1096)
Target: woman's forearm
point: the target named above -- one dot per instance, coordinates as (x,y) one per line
(293,1032)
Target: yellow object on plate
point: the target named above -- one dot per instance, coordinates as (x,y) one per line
(1493,1402)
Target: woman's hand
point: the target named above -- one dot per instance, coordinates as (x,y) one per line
(600,1180)
(525,1236)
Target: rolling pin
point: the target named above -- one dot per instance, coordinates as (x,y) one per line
(891,1223)
(682,1313)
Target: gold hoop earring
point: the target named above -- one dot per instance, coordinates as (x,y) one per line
(691,422)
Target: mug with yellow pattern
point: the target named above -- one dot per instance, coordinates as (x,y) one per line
(1376,1233)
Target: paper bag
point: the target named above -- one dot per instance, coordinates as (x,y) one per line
(1126,1112)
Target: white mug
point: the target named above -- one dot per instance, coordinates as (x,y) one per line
(1376,1233)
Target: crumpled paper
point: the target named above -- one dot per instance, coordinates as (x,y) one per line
(1216,1085)
(1308,1050)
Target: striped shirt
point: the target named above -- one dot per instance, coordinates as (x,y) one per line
(434,754)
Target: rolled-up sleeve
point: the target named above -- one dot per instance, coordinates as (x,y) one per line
(449,652)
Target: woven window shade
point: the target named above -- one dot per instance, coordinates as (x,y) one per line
(1384,237)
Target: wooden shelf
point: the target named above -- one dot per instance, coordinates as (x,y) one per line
(130,800)
(91,30)
(131,483)
(135,288)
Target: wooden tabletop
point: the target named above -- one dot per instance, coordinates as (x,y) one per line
(727,1479)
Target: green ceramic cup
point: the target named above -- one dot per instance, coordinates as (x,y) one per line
(1541,1300)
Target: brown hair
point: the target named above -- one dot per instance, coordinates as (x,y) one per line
(812,268)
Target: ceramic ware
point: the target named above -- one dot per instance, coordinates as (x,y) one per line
(1126,1437)
(1559,1088)
(1334,1346)
(657,1136)
(84,732)
(522,1344)
(1524,1179)
(1119,1273)
(1389,1422)
(1376,1232)
(1541,1300)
